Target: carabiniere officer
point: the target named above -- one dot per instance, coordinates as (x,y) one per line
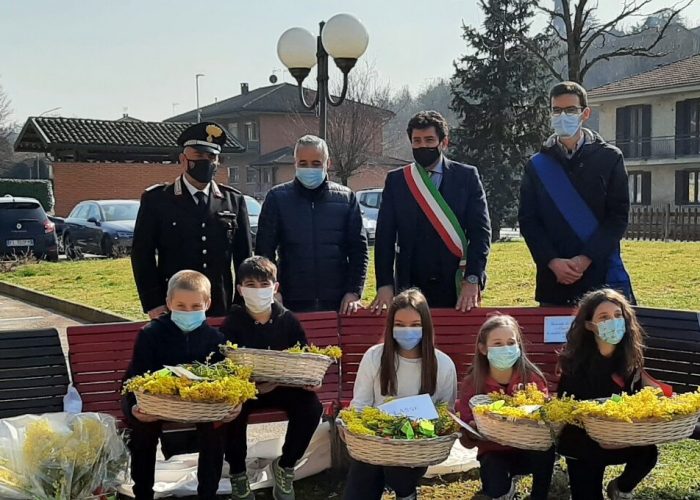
(192,223)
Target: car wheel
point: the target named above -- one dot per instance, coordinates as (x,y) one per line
(69,246)
(107,247)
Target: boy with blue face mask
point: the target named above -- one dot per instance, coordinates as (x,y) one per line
(180,336)
(263,323)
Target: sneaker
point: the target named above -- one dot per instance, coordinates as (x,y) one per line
(510,495)
(240,487)
(614,492)
(283,488)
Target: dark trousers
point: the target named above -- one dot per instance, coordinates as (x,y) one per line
(143,442)
(303,412)
(586,462)
(366,481)
(498,468)
(439,293)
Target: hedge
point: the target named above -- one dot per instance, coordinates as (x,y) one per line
(40,189)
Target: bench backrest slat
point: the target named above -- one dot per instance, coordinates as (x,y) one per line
(33,372)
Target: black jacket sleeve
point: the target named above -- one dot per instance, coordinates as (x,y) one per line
(268,237)
(358,256)
(142,360)
(227,329)
(478,229)
(531,227)
(242,246)
(612,228)
(385,237)
(295,330)
(143,256)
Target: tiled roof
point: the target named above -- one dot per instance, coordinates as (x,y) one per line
(126,137)
(279,98)
(285,156)
(683,73)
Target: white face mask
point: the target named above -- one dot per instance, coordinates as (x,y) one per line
(258,300)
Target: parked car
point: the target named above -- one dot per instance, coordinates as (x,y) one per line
(254,208)
(369,200)
(26,229)
(102,227)
(60,224)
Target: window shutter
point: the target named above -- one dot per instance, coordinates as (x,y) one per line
(646,131)
(681,187)
(646,188)
(622,130)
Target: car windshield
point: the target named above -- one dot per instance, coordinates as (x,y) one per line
(252,205)
(120,211)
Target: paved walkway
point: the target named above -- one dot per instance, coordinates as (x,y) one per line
(18,315)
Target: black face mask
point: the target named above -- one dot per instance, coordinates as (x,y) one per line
(426,156)
(201,170)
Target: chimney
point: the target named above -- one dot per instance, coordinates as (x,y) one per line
(244,88)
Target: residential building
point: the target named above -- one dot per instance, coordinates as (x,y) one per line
(654,118)
(268,121)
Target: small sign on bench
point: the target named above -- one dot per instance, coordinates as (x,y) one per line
(556,328)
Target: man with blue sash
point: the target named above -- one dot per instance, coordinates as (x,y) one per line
(574,205)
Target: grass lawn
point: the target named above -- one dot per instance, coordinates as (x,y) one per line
(664,275)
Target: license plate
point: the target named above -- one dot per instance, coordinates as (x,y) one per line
(20,243)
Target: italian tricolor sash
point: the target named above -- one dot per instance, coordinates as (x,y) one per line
(439,213)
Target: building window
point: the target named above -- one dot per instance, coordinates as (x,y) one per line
(233,129)
(688,187)
(233,174)
(252,131)
(251,175)
(633,131)
(640,188)
(688,127)
(266,175)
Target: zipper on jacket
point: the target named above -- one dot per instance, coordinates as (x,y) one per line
(313,245)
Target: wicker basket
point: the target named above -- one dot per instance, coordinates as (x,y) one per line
(397,452)
(284,368)
(519,433)
(174,409)
(616,434)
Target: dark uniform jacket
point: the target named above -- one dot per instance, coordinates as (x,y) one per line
(320,241)
(161,342)
(173,234)
(597,172)
(405,235)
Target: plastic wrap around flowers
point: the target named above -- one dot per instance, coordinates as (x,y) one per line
(60,456)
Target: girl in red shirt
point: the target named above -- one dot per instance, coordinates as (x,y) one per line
(500,364)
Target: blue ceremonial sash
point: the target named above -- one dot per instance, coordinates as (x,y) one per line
(579,216)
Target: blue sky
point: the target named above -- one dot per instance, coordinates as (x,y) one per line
(94,58)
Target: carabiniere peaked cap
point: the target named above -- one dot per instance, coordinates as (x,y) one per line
(208,137)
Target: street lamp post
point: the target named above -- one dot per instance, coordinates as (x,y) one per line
(344,38)
(196,83)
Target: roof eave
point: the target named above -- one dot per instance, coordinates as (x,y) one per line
(593,99)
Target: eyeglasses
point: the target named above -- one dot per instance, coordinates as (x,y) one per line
(570,111)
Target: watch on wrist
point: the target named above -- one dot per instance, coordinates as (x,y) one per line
(472,279)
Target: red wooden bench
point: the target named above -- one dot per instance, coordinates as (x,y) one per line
(100,354)
(455,335)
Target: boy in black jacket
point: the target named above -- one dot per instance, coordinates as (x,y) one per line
(180,336)
(265,324)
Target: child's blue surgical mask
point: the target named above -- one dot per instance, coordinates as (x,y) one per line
(503,357)
(408,337)
(566,125)
(188,320)
(611,330)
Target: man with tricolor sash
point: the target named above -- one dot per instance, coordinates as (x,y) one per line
(574,204)
(433,229)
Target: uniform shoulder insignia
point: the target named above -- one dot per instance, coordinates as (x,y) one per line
(155,186)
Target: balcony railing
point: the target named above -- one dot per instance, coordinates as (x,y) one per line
(644,148)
